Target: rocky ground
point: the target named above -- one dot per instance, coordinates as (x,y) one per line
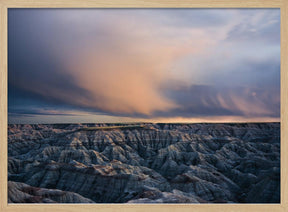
(144,163)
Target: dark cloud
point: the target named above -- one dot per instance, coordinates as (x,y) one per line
(203,100)
(126,62)
(195,101)
(35,111)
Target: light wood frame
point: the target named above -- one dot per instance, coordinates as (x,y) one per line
(282,4)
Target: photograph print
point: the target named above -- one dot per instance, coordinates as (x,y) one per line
(148,106)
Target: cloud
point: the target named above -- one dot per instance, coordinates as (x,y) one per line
(261,26)
(145,63)
(117,68)
(207,100)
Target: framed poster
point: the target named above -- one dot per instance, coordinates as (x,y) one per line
(143,105)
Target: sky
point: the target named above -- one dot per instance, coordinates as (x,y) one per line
(143,65)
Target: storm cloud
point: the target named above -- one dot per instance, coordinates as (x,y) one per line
(144,63)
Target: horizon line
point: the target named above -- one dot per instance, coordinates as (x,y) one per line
(239,122)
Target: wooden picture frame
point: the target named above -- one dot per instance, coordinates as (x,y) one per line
(282,4)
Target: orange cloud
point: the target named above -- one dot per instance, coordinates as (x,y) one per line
(125,73)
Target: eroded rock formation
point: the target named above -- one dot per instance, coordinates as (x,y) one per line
(144,163)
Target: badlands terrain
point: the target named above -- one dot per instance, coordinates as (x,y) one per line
(144,163)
